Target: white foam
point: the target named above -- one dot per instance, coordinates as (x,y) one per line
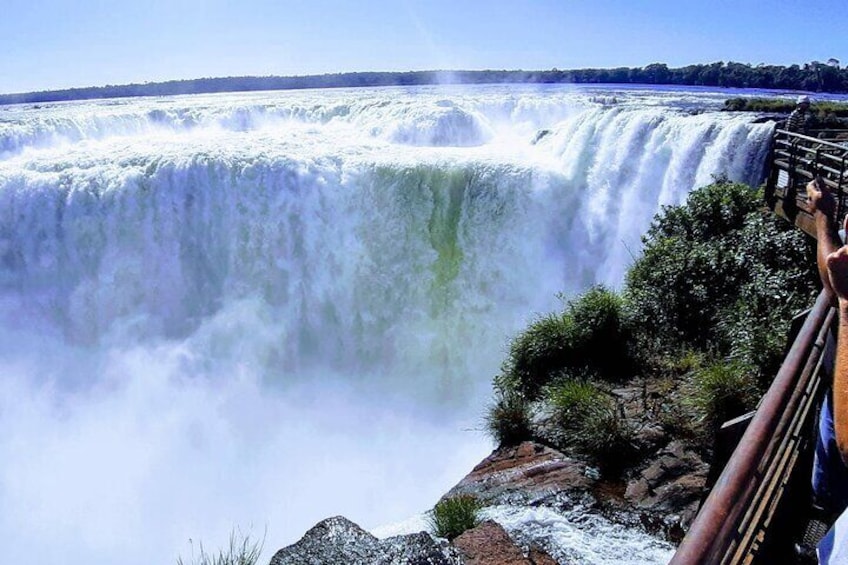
(578,536)
(265,309)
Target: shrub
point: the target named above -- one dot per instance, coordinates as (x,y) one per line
(601,336)
(781,281)
(606,438)
(719,278)
(241,551)
(508,419)
(571,401)
(689,270)
(721,391)
(708,261)
(711,211)
(590,335)
(452,516)
(825,113)
(539,352)
(590,423)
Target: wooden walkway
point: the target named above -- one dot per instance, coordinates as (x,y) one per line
(795,160)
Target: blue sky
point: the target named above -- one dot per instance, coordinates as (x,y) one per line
(48,44)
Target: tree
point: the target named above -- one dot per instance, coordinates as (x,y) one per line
(656,73)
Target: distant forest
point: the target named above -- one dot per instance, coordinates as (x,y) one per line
(814,76)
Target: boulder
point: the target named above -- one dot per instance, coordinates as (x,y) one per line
(489,544)
(339,541)
(668,490)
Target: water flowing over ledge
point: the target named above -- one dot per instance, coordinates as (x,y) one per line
(298,299)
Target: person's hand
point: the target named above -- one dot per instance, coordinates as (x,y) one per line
(820,198)
(837,272)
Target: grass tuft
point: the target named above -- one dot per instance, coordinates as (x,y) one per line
(508,419)
(572,400)
(241,551)
(591,422)
(452,516)
(721,391)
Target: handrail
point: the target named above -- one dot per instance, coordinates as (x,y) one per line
(797,158)
(715,533)
(810,139)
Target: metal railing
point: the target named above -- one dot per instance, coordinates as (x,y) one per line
(796,159)
(738,519)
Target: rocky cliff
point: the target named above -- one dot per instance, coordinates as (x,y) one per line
(661,497)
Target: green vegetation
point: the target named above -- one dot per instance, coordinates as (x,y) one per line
(722,390)
(719,275)
(241,551)
(589,422)
(508,418)
(590,335)
(823,115)
(572,401)
(812,76)
(701,322)
(783,106)
(452,516)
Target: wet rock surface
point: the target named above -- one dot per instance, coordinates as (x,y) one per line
(339,541)
(524,473)
(660,496)
(489,544)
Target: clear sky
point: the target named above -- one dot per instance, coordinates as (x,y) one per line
(46,44)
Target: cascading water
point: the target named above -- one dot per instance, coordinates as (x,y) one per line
(264,309)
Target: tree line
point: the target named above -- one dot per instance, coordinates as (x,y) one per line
(815,76)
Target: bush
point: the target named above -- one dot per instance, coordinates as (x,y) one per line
(539,352)
(590,423)
(715,210)
(606,438)
(781,281)
(719,278)
(452,516)
(572,400)
(721,391)
(601,336)
(241,551)
(589,335)
(825,113)
(508,419)
(712,264)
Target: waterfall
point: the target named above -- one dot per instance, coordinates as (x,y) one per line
(264,309)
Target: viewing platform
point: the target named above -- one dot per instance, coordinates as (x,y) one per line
(795,160)
(759,510)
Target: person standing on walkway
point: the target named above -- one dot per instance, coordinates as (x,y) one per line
(797,120)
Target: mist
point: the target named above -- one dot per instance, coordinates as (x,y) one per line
(253,312)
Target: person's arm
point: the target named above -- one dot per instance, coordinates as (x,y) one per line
(822,206)
(837,266)
(832,260)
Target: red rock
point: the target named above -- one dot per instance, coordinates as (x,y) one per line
(526,468)
(489,544)
(540,557)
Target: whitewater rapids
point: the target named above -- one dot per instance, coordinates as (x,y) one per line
(260,310)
